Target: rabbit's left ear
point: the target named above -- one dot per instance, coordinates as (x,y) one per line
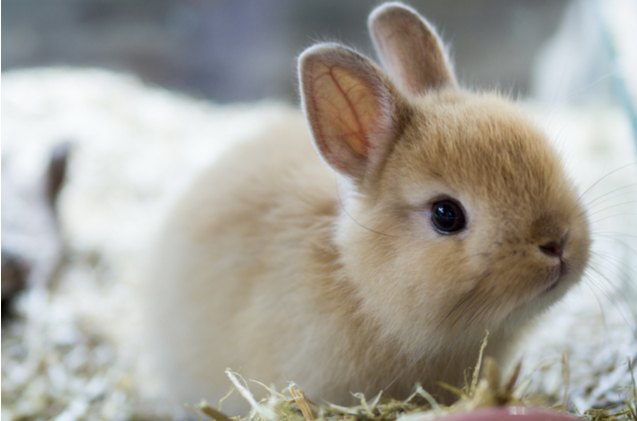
(355,113)
(409,49)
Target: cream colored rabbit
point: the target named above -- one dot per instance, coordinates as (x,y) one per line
(434,215)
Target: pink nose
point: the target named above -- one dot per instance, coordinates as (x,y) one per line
(552,249)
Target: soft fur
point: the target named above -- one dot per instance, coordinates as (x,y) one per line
(284,269)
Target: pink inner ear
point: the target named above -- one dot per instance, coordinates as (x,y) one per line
(346,113)
(357,138)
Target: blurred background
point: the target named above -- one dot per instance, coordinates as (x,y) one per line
(229,50)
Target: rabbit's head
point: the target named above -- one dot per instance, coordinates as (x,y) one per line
(457,214)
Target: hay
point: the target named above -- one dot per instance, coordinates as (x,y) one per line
(486,389)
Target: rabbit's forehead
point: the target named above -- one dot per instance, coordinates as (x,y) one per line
(483,150)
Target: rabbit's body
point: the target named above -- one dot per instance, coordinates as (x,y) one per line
(241,282)
(448,215)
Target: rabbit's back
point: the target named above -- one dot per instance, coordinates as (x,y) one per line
(234,262)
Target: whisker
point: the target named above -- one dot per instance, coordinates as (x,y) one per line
(589,282)
(595,281)
(613,206)
(616,215)
(619,308)
(344,209)
(587,277)
(598,209)
(613,283)
(611,257)
(600,290)
(624,271)
(617,190)
(614,233)
(615,171)
(619,241)
(471,296)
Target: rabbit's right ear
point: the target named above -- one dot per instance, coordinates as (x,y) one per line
(355,112)
(409,48)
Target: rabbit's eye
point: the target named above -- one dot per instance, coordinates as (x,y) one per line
(447,216)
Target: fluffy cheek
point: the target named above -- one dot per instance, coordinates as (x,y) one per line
(513,282)
(406,282)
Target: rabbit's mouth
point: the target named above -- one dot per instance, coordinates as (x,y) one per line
(557,276)
(552,285)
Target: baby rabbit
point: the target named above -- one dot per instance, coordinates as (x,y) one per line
(434,215)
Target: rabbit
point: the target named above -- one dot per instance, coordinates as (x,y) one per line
(367,243)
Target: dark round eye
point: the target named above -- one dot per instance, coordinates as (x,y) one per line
(447,216)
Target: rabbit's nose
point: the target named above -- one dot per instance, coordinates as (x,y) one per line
(552,248)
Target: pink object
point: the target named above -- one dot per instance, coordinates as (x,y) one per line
(511,413)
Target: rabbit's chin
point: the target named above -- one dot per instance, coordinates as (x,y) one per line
(528,312)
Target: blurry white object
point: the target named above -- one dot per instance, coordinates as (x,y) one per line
(592,56)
